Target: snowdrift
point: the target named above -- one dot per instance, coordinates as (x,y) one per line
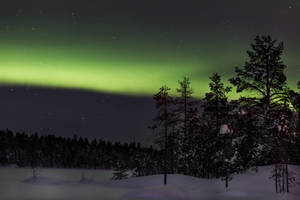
(69,184)
(249,185)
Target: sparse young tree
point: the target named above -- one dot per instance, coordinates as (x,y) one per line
(163,122)
(184,101)
(217,102)
(186,114)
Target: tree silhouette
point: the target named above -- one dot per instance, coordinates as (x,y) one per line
(216,110)
(186,113)
(162,122)
(243,123)
(295,102)
(52,151)
(216,100)
(263,74)
(184,101)
(294,98)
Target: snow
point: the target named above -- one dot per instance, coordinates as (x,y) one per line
(224,129)
(44,180)
(81,184)
(156,193)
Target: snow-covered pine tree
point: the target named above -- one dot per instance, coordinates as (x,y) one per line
(283,144)
(226,158)
(120,172)
(194,146)
(215,114)
(242,123)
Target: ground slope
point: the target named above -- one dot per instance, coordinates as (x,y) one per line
(81,184)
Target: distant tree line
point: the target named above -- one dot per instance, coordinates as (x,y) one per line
(24,150)
(215,137)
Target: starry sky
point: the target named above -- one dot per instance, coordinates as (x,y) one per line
(82,66)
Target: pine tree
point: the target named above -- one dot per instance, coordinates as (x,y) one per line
(263,76)
(163,121)
(215,113)
(216,101)
(186,113)
(184,101)
(242,123)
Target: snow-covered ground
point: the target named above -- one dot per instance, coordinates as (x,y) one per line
(81,184)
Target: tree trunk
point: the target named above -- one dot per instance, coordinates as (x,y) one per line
(276,179)
(226,182)
(283,177)
(279,180)
(287,177)
(166,144)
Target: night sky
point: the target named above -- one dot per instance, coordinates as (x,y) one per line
(103,60)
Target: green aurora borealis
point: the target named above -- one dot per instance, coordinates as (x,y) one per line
(125,58)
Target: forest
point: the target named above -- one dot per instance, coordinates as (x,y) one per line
(32,150)
(216,137)
(210,137)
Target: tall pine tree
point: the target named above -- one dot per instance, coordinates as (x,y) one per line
(185,115)
(263,76)
(163,122)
